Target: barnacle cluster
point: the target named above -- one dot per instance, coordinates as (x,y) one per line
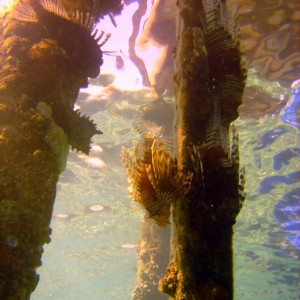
(153,175)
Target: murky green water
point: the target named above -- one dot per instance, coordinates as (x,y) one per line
(93,250)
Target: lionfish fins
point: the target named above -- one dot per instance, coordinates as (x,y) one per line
(98,37)
(160,169)
(140,188)
(84,19)
(55,7)
(241,187)
(144,126)
(234,203)
(198,171)
(24,12)
(240,177)
(216,146)
(154,179)
(235,156)
(225,19)
(228,75)
(168,182)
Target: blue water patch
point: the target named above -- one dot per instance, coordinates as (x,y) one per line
(269,137)
(284,157)
(287,212)
(291,114)
(269,183)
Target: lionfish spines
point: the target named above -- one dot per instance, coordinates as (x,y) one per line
(215,166)
(32,10)
(29,10)
(167,181)
(225,56)
(235,158)
(73,31)
(234,153)
(144,126)
(164,175)
(97,36)
(53,6)
(196,156)
(241,188)
(153,175)
(84,19)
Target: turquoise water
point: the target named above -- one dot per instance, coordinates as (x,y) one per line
(93,251)
(266,265)
(96,226)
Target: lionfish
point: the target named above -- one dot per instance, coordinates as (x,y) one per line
(215,163)
(153,175)
(74,33)
(214,166)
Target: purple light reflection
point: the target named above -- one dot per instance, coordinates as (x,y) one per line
(128,77)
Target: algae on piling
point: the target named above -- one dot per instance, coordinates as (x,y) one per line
(43,66)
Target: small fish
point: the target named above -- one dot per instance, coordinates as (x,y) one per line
(72,33)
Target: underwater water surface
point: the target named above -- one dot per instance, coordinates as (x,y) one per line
(96,226)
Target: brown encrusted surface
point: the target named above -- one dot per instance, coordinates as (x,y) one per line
(209,81)
(39,67)
(153,254)
(40,78)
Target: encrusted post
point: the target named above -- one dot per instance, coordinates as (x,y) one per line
(209,81)
(46,56)
(153,256)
